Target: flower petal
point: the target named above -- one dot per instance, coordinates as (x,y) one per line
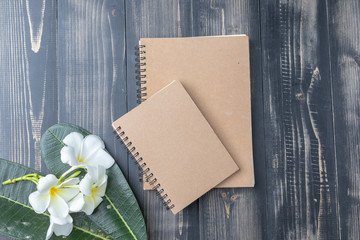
(68,156)
(86,185)
(101,173)
(92,171)
(77,203)
(50,231)
(58,207)
(102,158)
(60,226)
(74,140)
(63,230)
(102,180)
(89,205)
(67,193)
(61,221)
(97,201)
(69,182)
(47,182)
(97,173)
(90,145)
(39,201)
(100,190)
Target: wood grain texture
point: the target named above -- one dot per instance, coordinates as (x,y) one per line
(28,96)
(301,173)
(236,213)
(92,68)
(27,73)
(344,35)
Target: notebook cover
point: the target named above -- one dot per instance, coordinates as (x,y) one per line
(177,144)
(215,72)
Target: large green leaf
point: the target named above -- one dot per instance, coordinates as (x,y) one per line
(18,219)
(119,214)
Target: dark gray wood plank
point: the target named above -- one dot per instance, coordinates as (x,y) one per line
(300,165)
(92,68)
(28,92)
(344,32)
(157,19)
(236,213)
(27,78)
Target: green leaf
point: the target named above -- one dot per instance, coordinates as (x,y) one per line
(18,219)
(119,214)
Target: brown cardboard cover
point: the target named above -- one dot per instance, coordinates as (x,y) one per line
(215,72)
(177,144)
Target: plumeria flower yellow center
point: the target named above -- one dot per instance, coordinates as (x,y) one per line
(88,152)
(80,160)
(60,197)
(53,191)
(92,190)
(53,196)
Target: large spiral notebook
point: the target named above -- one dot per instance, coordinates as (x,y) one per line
(175,146)
(215,71)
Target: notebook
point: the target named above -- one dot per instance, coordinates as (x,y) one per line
(179,153)
(215,72)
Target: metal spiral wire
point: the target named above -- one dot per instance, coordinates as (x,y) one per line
(140,73)
(145,170)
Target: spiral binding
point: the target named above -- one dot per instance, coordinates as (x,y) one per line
(145,170)
(140,73)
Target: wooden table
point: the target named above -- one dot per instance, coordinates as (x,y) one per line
(73,61)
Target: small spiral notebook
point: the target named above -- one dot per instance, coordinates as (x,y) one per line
(178,151)
(215,71)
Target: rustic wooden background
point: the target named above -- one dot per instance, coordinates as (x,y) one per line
(73,61)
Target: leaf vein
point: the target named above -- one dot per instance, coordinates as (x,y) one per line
(56,138)
(121,217)
(76,227)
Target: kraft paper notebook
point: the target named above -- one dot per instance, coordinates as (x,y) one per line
(215,71)
(179,153)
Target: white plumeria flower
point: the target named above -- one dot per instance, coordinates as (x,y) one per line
(59,226)
(53,196)
(85,152)
(92,190)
